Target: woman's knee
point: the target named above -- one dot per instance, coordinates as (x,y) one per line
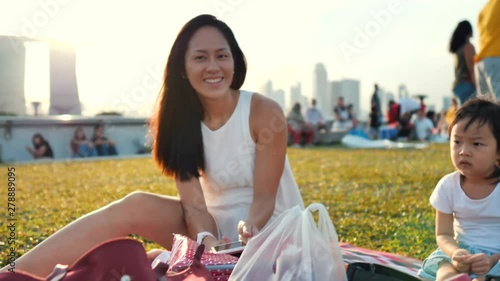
(126,212)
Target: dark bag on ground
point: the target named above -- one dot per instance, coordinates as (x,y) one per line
(360,271)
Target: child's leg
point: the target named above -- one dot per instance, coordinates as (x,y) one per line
(445,270)
(152,216)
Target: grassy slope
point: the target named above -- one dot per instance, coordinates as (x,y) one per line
(377,199)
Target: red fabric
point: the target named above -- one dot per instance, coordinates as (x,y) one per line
(392,115)
(183,250)
(297,135)
(110,260)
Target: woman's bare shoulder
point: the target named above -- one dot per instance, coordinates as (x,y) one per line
(265,111)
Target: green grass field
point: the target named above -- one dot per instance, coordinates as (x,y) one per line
(377,199)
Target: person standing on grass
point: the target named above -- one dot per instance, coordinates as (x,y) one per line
(467,200)
(224,147)
(375,103)
(488,58)
(464,85)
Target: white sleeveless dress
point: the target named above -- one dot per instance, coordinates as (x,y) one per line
(227,181)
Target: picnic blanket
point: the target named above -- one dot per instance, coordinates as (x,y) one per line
(353,141)
(404,264)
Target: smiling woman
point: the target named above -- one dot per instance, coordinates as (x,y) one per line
(224,147)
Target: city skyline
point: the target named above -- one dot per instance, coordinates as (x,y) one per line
(122,51)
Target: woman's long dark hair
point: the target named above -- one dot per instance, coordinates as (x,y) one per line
(43,141)
(75,136)
(486,113)
(176,124)
(459,37)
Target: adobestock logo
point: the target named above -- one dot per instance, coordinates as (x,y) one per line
(151,84)
(364,36)
(41,18)
(223,6)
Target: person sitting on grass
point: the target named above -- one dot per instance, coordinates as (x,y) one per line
(225,148)
(423,127)
(298,127)
(103,145)
(41,147)
(80,146)
(467,200)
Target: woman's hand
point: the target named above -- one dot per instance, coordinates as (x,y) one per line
(210,242)
(246,231)
(460,260)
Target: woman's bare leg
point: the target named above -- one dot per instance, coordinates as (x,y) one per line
(152,216)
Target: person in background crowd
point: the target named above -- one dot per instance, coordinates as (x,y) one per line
(41,147)
(298,127)
(314,116)
(80,146)
(488,58)
(463,52)
(103,145)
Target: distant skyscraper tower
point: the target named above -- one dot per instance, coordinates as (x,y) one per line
(279,97)
(403,92)
(12,62)
(267,89)
(349,89)
(335,92)
(63,87)
(320,84)
(295,96)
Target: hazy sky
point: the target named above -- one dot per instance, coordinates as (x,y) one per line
(123,45)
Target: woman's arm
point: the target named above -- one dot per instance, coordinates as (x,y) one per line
(469,53)
(269,131)
(195,210)
(39,152)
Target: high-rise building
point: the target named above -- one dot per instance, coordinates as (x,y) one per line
(63,86)
(349,89)
(276,95)
(320,84)
(12,63)
(403,91)
(267,89)
(279,96)
(334,92)
(295,96)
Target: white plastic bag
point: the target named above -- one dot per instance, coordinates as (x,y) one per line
(293,247)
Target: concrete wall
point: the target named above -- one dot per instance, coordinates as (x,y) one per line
(16,133)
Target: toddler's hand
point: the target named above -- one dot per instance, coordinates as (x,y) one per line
(480,263)
(459,260)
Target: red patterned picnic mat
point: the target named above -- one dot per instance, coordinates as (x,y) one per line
(404,264)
